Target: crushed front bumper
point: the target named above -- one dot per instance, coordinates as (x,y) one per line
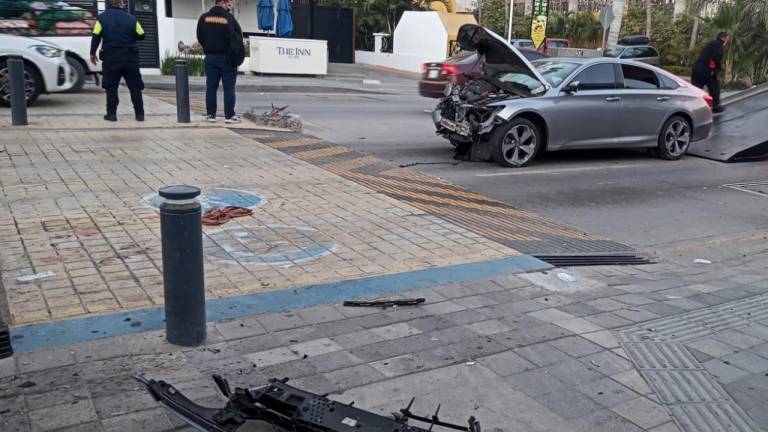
(287,408)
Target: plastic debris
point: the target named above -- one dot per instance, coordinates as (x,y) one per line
(701,261)
(35,277)
(565,277)
(471,363)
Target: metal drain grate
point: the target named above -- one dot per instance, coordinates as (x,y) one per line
(593,260)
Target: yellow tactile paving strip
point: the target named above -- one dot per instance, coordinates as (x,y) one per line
(520,229)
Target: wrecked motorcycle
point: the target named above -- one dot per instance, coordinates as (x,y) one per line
(287,408)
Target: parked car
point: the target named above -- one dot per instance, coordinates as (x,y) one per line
(435,76)
(520,108)
(46,69)
(643,53)
(523,43)
(554,43)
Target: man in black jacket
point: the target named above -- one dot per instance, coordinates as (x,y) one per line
(708,67)
(117,32)
(222,39)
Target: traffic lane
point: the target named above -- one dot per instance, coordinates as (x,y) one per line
(626,195)
(632,198)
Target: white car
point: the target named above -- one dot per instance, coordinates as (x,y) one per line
(46,69)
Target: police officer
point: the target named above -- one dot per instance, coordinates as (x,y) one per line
(222,40)
(117,31)
(708,67)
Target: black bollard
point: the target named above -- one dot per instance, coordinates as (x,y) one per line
(181,230)
(17,90)
(6,350)
(182,91)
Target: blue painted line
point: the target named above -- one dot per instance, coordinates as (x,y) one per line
(35,337)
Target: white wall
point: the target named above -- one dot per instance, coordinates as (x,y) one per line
(421,34)
(401,62)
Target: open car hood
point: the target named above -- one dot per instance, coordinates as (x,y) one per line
(499,56)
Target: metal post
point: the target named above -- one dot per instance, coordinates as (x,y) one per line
(511,16)
(182,91)
(181,231)
(18,93)
(6,350)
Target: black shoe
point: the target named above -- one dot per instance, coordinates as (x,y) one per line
(110,117)
(139,117)
(718,109)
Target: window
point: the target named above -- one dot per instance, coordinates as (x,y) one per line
(597,77)
(555,71)
(668,83)
(631,53)
(647,52)
(639,78)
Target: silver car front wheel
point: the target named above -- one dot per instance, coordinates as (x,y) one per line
(516,143)
(675,138)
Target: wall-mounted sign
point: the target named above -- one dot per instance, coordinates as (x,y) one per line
(288,56)
(539,22)
(466,6)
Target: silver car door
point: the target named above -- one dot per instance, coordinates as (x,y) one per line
(645,105)
(588,117)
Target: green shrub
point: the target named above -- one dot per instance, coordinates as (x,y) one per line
(195,64)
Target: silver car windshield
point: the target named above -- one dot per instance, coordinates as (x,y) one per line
(553,71)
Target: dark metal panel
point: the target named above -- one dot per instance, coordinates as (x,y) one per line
(738,134)
(145,12)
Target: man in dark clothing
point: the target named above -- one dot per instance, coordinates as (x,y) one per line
(117,32)
(222,40)
(708,67)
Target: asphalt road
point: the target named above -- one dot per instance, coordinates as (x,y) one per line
(627,196)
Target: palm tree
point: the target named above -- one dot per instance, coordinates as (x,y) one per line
(648,9)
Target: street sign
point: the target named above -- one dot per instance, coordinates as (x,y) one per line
(539,22)
(606,16)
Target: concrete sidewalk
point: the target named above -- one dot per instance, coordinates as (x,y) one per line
(675,346)
(523,352)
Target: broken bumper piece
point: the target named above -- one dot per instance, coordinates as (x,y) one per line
(290,409)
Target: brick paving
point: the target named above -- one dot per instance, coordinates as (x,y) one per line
(519,355)
(72,203)
(522,352)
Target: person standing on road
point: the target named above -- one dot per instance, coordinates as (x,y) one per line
(117,32)
(222,40)
(707,68)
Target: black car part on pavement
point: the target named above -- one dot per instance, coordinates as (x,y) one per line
(386,303)
(290,409)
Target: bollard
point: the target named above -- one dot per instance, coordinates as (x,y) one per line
(181,231)
(6,350)
(182,91)
(17,90)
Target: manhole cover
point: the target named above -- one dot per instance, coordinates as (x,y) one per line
(267,245)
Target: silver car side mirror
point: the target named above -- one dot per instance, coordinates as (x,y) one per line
(572,87)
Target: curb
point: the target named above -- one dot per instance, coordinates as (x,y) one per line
(745,94)
(51,334)
(269,88)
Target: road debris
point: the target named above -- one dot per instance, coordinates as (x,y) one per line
(27,384)
(35,277)
(386,303)
(218,216)
(702,261)
(290,408)
(278,117)
(565,277)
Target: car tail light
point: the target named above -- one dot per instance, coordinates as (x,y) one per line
(424,68)
(708,99)
(449,69)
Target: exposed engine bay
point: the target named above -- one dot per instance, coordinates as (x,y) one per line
(468,112)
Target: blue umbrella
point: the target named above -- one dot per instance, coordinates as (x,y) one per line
(284,20)
(266,14)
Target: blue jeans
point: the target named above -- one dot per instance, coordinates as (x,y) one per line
(218,67)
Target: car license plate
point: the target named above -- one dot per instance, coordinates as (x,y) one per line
(433,74)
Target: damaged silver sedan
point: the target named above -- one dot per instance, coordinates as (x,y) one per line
(518,108)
